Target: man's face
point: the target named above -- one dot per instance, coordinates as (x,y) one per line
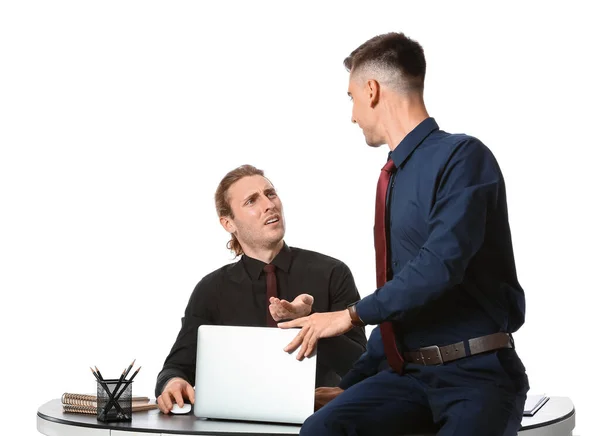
(364,114)
(258,220)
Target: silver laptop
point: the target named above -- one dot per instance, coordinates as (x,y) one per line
(242,373)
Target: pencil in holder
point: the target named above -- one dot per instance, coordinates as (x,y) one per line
(114,400)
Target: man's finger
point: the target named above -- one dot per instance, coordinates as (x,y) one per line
(294,323)
(161,404)
(275,309)
(301,354)
(190,393)
(308,299)
(178,397)
(166,396)
(286,305)
(303,350)
(312,342)
(295,342)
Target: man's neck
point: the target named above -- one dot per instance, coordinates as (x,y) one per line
(264,254)
(401,117)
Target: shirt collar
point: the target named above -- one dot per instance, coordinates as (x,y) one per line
(254,267)
(411,141)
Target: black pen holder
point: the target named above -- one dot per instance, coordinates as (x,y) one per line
(114,401)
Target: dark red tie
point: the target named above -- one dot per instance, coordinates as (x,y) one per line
(381,264)
(271,291)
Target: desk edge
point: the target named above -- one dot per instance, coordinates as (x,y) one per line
(551,422)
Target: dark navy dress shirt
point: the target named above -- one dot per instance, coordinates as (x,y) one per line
(451,253)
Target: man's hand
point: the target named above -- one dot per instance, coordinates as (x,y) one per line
(177,389)
(282,309)
(315,327)
(325,395)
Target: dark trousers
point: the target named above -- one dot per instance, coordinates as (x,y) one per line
(478,395)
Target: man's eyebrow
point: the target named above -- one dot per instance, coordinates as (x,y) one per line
(250,197)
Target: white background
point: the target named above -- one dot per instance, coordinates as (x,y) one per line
(119,118)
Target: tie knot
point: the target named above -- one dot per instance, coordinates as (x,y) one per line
(389,166)
(269,268)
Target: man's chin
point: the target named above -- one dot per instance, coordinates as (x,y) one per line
(275,238)
(374,144)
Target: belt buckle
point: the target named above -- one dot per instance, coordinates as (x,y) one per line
(438,355)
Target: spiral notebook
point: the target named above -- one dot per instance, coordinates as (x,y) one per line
(86,403)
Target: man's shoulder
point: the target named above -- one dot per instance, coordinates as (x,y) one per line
(215,278)
(310,256)
(450,143)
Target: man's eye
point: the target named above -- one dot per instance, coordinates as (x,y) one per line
(250,201)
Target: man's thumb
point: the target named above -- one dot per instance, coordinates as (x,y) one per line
(307,299)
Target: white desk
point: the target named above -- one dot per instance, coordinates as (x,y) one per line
(555,418)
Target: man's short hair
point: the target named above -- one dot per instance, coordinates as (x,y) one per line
(393,59)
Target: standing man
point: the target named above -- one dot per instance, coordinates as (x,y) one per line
(268,284)
(448,297)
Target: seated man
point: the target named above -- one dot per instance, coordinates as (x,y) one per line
(271,282)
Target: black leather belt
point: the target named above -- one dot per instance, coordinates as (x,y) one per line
(434,355)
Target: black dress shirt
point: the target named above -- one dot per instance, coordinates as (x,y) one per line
(236,295)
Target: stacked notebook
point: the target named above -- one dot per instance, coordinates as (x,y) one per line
(534,403)
(86,404)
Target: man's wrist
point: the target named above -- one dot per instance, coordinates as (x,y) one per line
(355,319)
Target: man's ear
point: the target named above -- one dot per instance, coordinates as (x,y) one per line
(373,89)
(227,224)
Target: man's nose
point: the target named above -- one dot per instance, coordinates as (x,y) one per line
(268,203)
